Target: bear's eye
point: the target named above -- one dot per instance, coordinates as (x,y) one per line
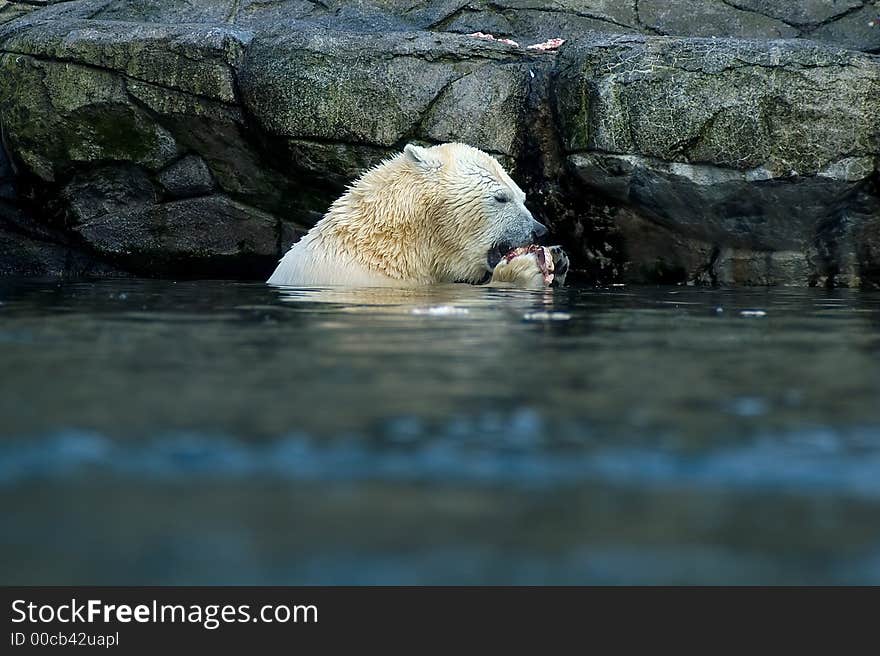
(501,197)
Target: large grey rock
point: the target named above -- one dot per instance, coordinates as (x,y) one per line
(720,204)
(710,18)
(535,21)
(742,145)
(188,177)
(103,110)
(803,13)
(380,90)
(200,236)
(790,107)
(334,104)
(21,255)
(192,58)
(58,115)
(107,189)
(29,249)
(859,30)
(844,22)
(87,91)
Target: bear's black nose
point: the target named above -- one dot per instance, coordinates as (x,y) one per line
(538,231)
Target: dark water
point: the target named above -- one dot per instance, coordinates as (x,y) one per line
(209,432)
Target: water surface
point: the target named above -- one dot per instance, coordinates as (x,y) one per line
(156,432)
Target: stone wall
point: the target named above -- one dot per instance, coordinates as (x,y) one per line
(720,141)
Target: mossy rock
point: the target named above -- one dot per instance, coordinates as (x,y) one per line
(59,115)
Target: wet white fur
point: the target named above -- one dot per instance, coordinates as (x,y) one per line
(428,215)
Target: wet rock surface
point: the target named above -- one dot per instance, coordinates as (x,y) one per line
(759,151)
(200,138)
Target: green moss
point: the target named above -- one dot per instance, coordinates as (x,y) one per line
(118,133)
(62,113)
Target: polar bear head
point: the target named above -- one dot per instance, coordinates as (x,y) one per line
(476,213)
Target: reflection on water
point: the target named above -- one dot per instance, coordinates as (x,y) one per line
(209,432)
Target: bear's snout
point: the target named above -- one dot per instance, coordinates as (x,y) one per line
(539,230)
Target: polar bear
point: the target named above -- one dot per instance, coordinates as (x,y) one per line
(446,213)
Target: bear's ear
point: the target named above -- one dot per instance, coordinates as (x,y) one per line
(422,156)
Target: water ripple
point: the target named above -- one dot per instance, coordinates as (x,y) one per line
(817,461)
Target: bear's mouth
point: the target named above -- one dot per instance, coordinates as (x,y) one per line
(498,253)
